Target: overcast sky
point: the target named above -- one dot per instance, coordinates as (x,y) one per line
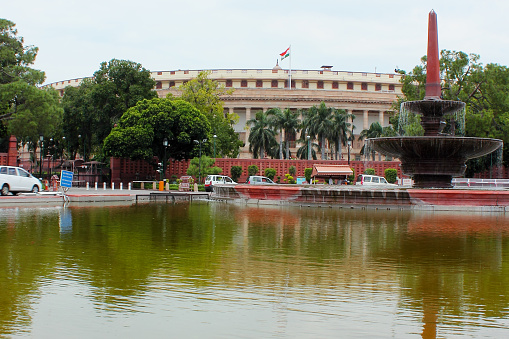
(74,37)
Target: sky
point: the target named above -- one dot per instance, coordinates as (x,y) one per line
(75,37)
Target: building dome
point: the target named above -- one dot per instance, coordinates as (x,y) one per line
(277,67)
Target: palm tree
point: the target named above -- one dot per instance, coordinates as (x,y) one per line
(261,136)
(375,131)
(287,121)
(341,129)
(318,122)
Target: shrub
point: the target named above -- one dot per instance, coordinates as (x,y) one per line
(252,170)
(236,172)
(270,173)
(351,177)
(292,171)
(289,179)
(391,175)
(369,171)
(307,174)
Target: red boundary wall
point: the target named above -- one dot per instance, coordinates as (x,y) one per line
(125,170)
(11,157)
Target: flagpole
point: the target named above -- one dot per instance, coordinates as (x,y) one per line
(290,73)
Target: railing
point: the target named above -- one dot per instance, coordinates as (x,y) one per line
(486,183)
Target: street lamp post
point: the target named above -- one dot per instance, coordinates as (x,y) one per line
(41,139)
(309,146)
(165,144)
(349,145)
(199,142)
(215,137)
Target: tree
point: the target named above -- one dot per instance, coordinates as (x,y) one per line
(391,175)
(205,94)
(252,170)
(141,130)
(270,173)
(318,123)
(285,120)
(341,129)
(39,115)
(17,79)
(375,131)
(262,136)
(207,167)
(236,172)
(118,86)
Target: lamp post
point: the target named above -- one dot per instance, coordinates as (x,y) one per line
(165,144)
(349,145)
(41,139)
(309,146)
(215,137)
(199,142)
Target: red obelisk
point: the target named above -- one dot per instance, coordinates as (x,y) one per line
(433,89)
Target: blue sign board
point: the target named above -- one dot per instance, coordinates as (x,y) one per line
(66,179)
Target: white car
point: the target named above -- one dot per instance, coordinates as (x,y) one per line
(372,180)
(213,179)
(16,179)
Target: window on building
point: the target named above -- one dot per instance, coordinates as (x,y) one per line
(259,83)
(172,84)
(364,86)
(273,84)
(286,83)
(335,85)
(172,72)
(378,87)
(159,85)
(319,84)
(391,87)
(305,84)
(349,85)
(186,72)
(243,83)
(159,73)
(391,76)
(229,83)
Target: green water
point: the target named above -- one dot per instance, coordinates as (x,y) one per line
(224,271)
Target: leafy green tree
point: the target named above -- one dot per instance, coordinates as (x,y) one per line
(252,170)
(261,136)
(118,86)
(207,167)
(41,115)
(369,171)
(270,173)
(205,94)
(292,170)
(391,175)
(375,131)
(141,130)
(236,172)
(307,174)
(17,79)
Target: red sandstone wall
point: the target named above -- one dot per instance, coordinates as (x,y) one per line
(125,170)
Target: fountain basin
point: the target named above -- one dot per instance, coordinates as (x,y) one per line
(432,161)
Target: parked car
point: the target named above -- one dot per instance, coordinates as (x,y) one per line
(214,179)
(372,180)
(16,179)
(259,180)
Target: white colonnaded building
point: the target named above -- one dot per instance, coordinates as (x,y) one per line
(368,96)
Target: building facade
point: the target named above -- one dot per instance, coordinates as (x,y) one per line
(368,96)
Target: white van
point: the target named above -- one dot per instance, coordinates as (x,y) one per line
(372,180)
(214,179)
(16,179)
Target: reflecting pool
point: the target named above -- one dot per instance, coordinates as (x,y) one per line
(215,270)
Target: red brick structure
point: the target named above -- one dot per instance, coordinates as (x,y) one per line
(11,157)
(125,170)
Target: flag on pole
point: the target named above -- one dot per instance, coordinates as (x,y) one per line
(285,54)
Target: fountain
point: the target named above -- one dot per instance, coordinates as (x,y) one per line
(434,159)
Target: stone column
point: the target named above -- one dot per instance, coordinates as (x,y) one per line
(365,116)
(381,117)
(248,117)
